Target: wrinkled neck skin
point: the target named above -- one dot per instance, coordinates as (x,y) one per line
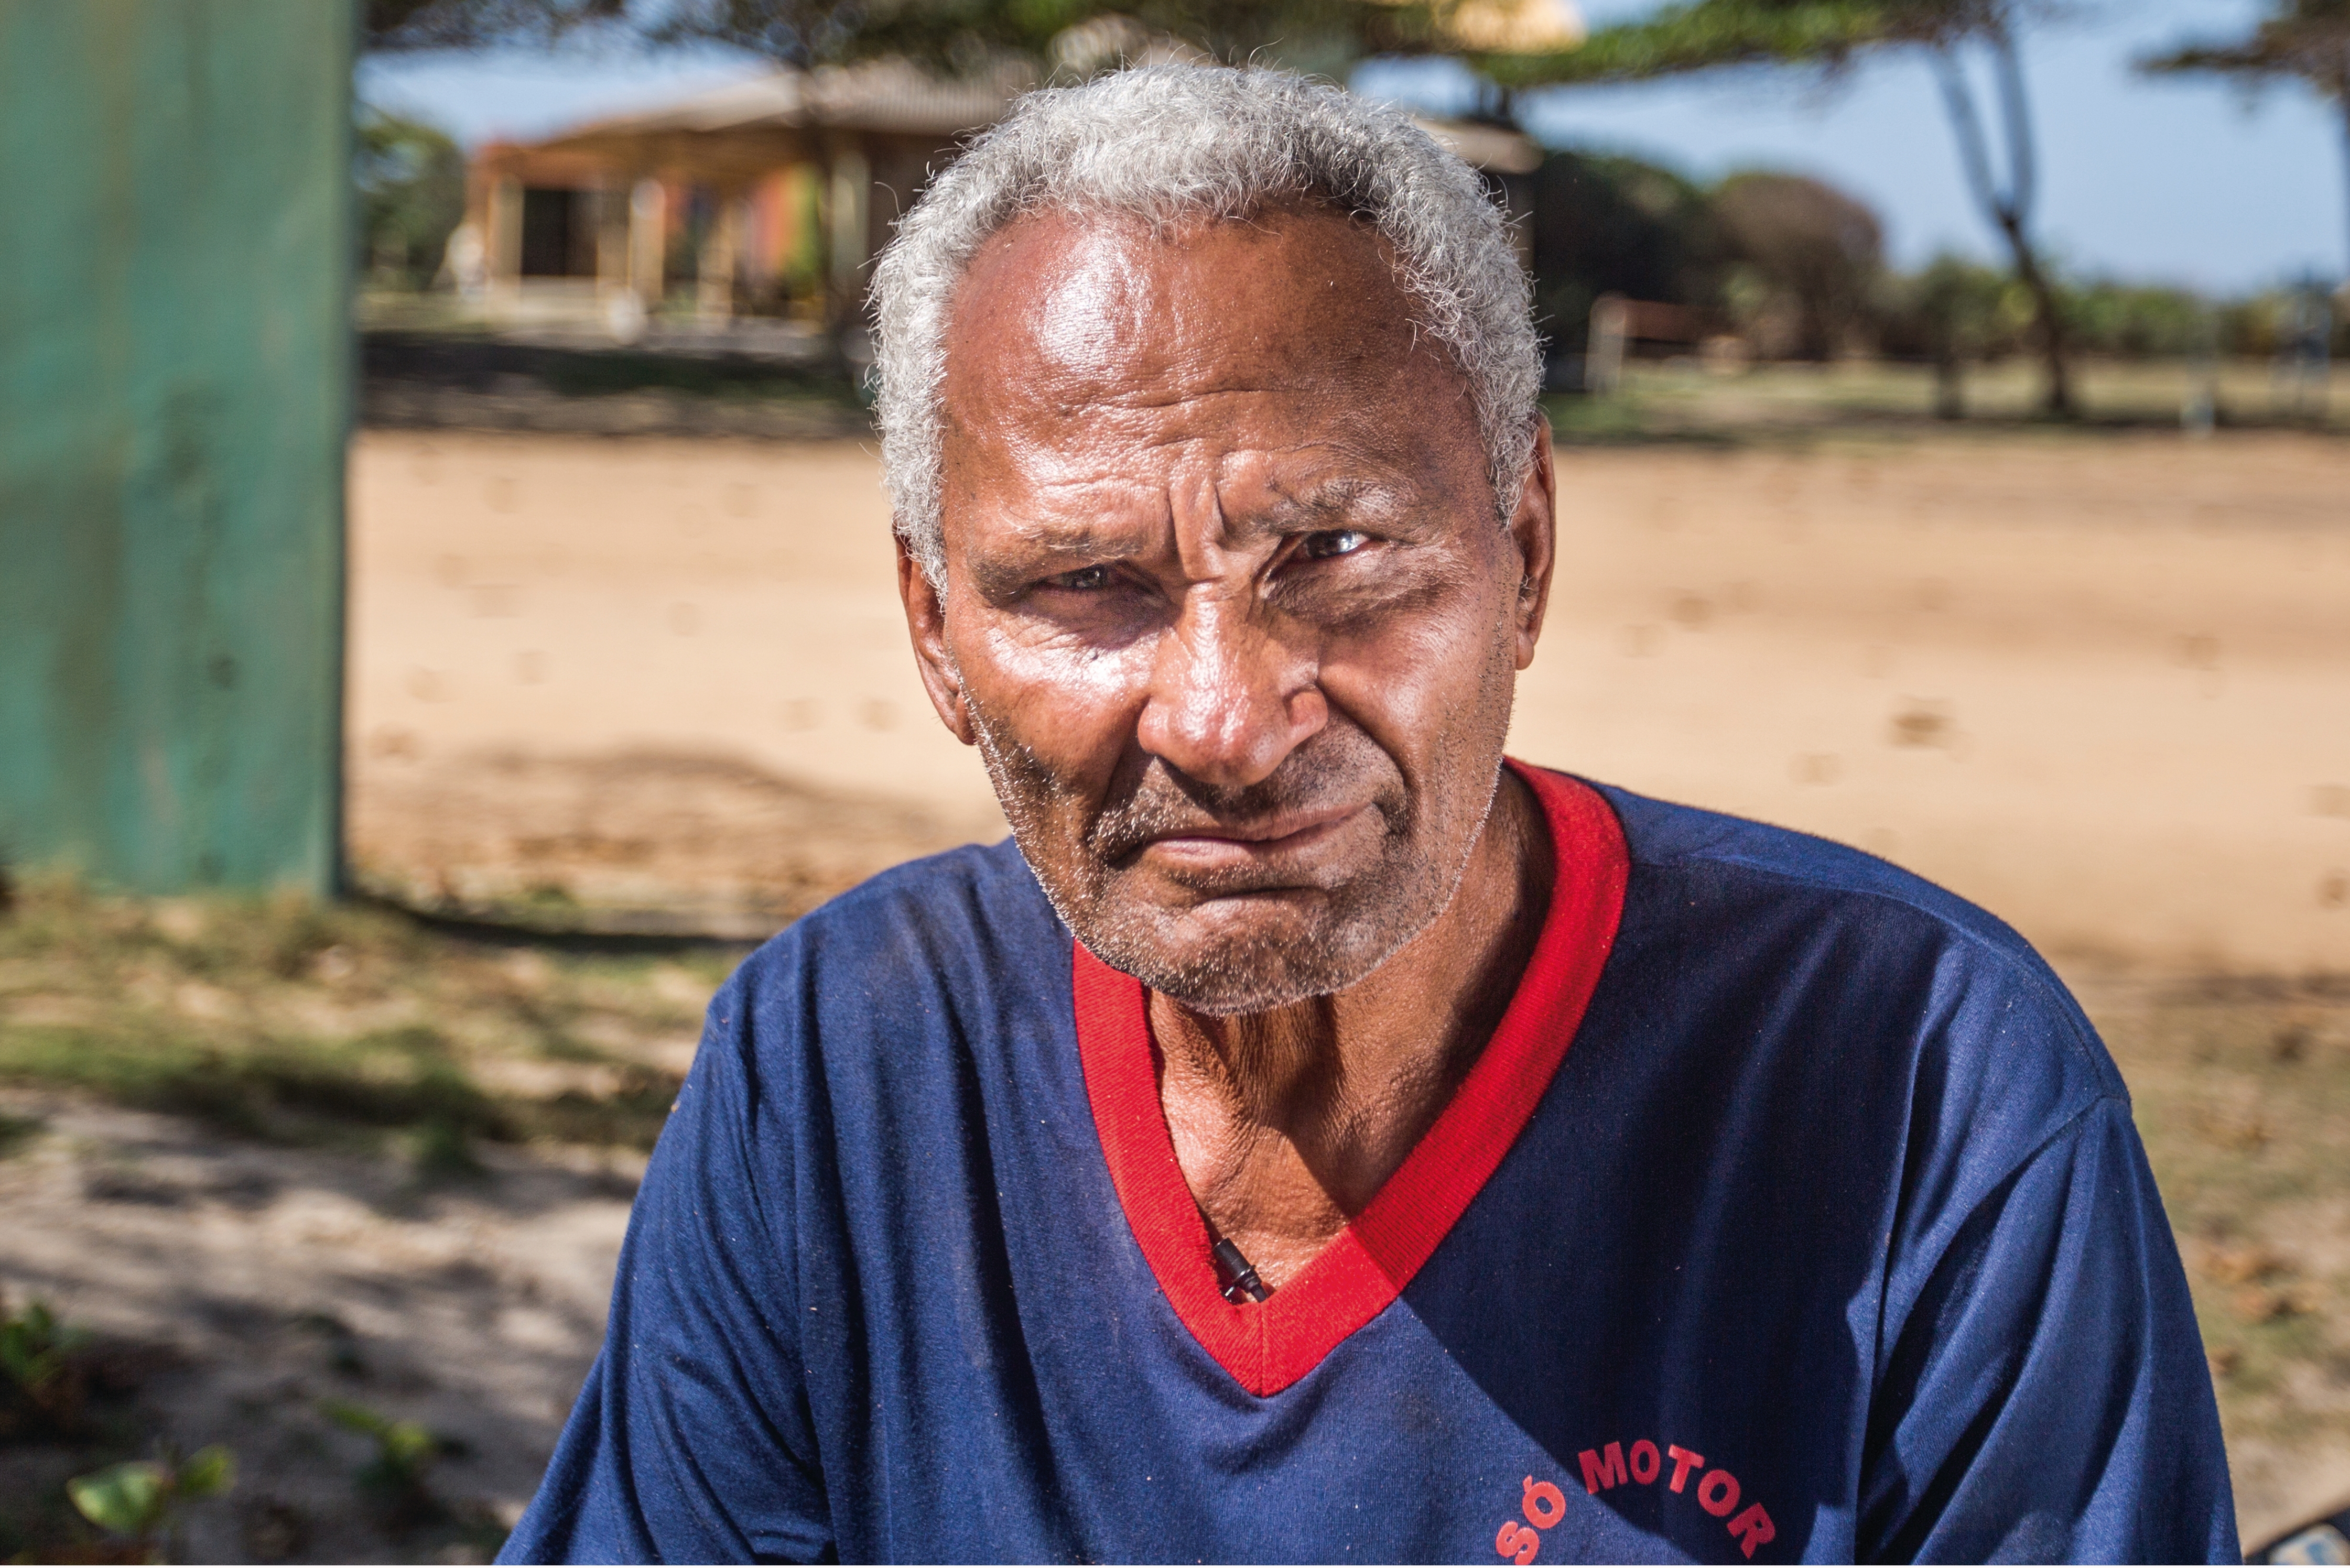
(1287,1121)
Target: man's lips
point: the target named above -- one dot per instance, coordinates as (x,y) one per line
(1221,844)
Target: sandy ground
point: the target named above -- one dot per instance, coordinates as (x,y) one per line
(2102,686)
(646,674)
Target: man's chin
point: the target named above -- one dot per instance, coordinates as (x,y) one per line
(1227,986)
(1247,954)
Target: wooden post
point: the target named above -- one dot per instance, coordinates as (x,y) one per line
(616,301)
(852,185)
(714,295)
(611,237)
(648,241)
(504,237)
(1611,324)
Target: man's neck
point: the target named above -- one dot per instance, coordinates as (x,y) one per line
(1287,1123)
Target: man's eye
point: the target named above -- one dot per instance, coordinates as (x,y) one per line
(1085,579)
(1336,542)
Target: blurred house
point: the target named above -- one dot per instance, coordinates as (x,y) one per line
(762,200)
(764,197)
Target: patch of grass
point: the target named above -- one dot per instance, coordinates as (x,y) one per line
(1682,403)
(2242,1092)
(282,1018)
(619,370)
(443,1151)
(640,1101)
(262,1088)
(421,353)
(17,1133)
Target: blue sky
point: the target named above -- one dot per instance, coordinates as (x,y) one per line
(2169,181)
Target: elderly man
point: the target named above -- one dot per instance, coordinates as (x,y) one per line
(1314,1136)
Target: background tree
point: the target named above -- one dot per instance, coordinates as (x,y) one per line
(1607,225)
(1832,35)
(387,26)
(1953,313)
(971,35)
(412,193)
(2300,40)
(1812,253)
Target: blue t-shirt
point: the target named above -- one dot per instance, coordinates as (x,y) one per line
(1794,1211)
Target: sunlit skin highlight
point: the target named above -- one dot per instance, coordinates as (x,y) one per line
(1233,615)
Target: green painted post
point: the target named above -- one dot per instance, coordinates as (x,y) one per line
(174,396)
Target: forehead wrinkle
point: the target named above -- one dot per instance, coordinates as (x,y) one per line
(1248,489)
(1055,474)
(1332,427)
(1072,513)
(1141,400)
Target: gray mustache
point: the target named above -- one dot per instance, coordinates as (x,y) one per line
(1164,801)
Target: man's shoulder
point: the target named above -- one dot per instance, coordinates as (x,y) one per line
(979,898)
(938,950)
(1850,943)
(1662,835)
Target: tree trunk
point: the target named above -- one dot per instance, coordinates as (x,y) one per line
(2011,210)
(2343,98)
(2057,400)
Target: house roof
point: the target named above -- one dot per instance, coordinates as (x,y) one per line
(745,122)
(888,95)
(1495,149)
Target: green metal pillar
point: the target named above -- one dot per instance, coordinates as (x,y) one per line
(175,240)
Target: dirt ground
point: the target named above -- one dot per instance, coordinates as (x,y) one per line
(2099,684)
(240,1289)
(279,1163)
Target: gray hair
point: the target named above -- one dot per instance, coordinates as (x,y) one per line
(1171,143)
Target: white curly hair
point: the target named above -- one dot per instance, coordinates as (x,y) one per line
(1175,143)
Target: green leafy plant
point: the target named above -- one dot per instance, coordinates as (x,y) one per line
(40,1380)
(411,180)
(141,1499)
(397,1479)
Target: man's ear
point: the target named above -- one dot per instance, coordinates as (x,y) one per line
(926,623)
(1533,530)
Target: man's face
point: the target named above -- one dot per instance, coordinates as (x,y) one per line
(1227,607)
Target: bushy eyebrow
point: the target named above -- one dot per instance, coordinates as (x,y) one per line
(1053,547)
(1056,541)
(1343,498)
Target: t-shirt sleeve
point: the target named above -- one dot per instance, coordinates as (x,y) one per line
(692,1441)
(2044,1397)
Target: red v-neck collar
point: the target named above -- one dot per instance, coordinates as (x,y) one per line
(1268,1345)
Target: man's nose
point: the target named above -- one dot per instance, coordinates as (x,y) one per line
(1228,700)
